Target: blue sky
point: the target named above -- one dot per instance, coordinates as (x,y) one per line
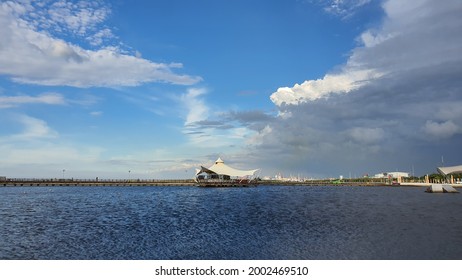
(158,88)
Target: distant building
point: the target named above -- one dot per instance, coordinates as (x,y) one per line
(394,175)
(2,178)
(449,172)
(280,177)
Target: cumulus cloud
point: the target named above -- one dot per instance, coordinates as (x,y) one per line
(394,103)
(322,88)
(30,54)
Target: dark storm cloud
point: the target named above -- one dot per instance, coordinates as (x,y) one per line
(250,116)
(408,114)
(253,119)
(217,124)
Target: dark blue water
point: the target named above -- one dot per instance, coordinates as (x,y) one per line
(229,223)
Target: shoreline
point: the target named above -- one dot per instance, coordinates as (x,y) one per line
(190,182)
(93,183)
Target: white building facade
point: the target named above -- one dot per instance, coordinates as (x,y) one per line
(394,175)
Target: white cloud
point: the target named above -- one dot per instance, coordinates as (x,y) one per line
(441,130)
(34,128)
(195,106)
(331,84)
(370,39)
(45,98)
(98,38)
(78,17)
(96,113)
(259,137)
(82,19)
(365,135)
(342,8)
(29,55)
(196,111)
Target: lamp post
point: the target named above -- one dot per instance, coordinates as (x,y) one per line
(64,170)
(129,171)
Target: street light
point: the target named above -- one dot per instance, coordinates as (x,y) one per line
(64,170)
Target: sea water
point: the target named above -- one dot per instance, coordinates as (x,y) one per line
(265,222)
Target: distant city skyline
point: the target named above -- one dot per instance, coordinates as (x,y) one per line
(154,89)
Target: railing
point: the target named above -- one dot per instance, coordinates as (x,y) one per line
(96,180)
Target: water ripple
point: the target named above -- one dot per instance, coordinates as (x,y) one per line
(242,223)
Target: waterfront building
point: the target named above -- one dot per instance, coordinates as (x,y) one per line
(394,175)
(449,172)
(220,174)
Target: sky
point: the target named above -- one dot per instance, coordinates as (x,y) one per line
(155,89)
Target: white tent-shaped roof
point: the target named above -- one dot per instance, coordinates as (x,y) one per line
(221,168)
(450,170)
